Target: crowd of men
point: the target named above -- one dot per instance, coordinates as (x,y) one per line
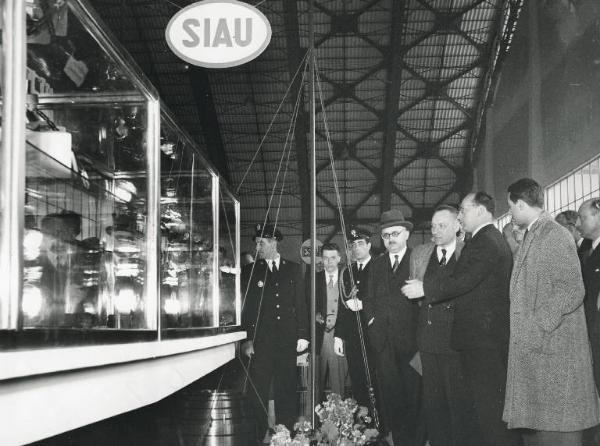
(493,340)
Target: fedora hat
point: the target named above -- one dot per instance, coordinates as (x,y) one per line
(394,217)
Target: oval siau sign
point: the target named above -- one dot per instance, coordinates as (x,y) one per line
(218,33)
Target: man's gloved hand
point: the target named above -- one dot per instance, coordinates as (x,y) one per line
(248,348)
(301,345)
(413,289)
(338,346)
(354,304)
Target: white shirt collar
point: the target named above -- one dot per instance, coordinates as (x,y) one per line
(595,243)
(449,250)
(328,276)
(579,242)
(363,263)
(480,227)
(399,254)
(277,262)
(531,224)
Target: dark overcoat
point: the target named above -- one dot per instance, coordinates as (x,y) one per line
(480,278)
(394,315)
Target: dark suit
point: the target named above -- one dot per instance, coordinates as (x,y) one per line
(446,403)
(583,250)
(392,337)
(591,279)
(347,329)
(479,290)
(282,321)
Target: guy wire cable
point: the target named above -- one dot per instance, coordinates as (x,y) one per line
(287,147)
(294,117)
(348,265)
(302,62)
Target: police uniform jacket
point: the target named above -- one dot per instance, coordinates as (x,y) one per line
(346,327)
(279,296)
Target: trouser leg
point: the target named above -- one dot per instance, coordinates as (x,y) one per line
(284,385)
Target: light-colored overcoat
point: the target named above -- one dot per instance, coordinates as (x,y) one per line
(550,385)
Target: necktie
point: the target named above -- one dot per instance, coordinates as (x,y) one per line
(330,283)
(273,266)
(396,263)
(360,267)
(443,260)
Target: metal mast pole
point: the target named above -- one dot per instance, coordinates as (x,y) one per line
(313,217)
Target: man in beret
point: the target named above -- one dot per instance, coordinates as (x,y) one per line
(347,340)
(275,317)
(392,320)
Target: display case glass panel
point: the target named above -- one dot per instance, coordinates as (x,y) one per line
(229,262)
(86,218)
(4,199)
(186,223)
(62,54)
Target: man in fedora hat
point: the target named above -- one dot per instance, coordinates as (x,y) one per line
(275,316)
(392,320)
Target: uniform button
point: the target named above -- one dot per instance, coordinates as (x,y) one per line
(276,294)
(358,281)
(277,305)
(278,318)
(276,283)
(429,306)
(428,322)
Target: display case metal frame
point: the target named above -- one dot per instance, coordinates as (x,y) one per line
(12,184)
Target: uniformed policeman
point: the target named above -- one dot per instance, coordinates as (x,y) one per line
(347,336)
(275,316)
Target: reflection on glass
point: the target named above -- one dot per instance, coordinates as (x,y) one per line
(85,218)
(63,57)
(227,260)
(186,236)
(4,203)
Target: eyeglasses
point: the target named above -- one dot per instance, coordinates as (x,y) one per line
(387,235)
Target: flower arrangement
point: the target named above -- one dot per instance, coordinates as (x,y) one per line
(343,423)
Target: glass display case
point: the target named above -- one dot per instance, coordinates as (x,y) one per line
(229,258)
(187,233)
(124,231)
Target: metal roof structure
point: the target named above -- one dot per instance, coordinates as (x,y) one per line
(405,86)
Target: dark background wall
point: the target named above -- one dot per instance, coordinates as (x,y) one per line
(545,117)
